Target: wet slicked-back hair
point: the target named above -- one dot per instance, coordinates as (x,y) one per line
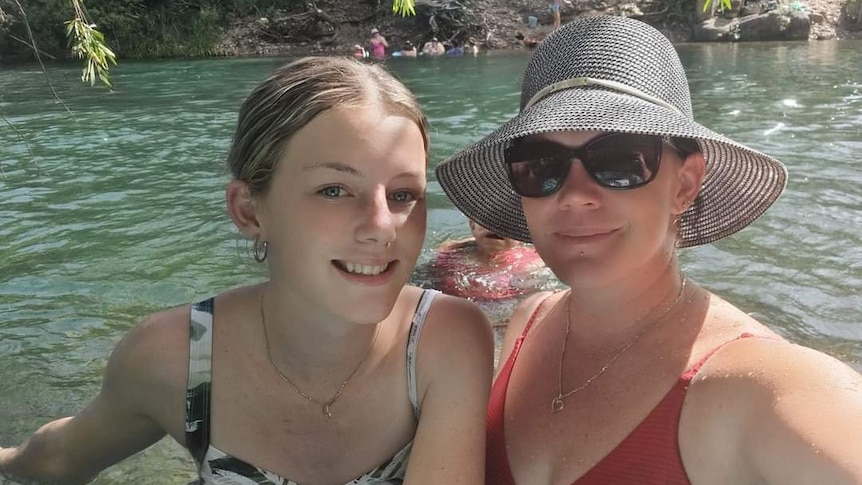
(294,94)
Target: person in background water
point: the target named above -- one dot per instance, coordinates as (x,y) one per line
(637,374)
(472,48)
(555,11)
(433,48)
(409,49)
(331,370)
(455,50)
(486,266)
(378,44)
(530,41)
(359,52)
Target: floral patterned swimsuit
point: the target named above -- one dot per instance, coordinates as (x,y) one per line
(218,468)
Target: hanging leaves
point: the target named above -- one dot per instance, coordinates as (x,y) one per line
(404,7)
(89,44)
(725,5)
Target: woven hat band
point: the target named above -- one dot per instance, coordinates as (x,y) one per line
(577,82)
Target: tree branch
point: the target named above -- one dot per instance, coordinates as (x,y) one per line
(39,58)
(21,138)
(15,37)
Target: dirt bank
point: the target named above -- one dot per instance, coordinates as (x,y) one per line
(335,26)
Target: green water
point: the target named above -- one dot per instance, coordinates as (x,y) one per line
(116,211)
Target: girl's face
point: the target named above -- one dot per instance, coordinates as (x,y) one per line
(344,217)
(591,236)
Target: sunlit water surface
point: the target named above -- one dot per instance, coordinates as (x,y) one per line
(117,210)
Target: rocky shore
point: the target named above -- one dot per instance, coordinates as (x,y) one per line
(333,27)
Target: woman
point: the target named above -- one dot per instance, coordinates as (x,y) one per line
(318,375)
(378,45)
(637,374)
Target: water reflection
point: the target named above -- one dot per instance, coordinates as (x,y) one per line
(120,211)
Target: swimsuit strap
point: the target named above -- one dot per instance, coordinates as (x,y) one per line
(199,379)
(689,374)
(413,343)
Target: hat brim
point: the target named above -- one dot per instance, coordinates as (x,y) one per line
(740,183)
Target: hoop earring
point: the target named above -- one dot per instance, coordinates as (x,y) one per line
(259,250)
(678,240)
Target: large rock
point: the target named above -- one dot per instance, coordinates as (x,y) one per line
(716,30)
(772,25)
(775,25)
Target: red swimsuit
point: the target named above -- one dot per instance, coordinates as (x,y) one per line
(649,455)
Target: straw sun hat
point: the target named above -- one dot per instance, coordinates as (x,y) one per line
(613,74)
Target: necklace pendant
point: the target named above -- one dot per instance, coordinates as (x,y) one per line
(326,411)
(557,404)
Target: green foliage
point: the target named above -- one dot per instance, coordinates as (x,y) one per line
(137,28)
(164,32)
(89,44)
(404,7)
(725,5)
(46,19)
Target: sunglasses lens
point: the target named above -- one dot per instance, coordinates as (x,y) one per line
(537,176)
(623,161)
(615,161)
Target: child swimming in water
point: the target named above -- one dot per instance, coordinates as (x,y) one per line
(486,266)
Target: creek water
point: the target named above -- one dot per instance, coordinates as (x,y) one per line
(116,210)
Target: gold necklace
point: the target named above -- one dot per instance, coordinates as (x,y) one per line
(558,402)
(326,406)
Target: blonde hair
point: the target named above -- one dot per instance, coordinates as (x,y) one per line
(294,94)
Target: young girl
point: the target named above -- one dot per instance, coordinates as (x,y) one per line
(332,371)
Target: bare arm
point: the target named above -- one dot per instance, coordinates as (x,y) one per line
(455,365)
(796,413)
(814,422)
(116,424)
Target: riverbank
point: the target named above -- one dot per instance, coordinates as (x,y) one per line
(176,28)
(494,24)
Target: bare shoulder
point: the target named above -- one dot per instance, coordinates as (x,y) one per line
(761,400)
(161,338)
(525,311)
(149,364)
(765,362)
(777,367)
(454,379)
(455,323)
(520,318)
(456,340)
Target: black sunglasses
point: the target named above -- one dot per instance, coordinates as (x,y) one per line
(615,161)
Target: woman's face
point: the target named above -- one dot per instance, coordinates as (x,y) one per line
(591,235)
(344,217)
